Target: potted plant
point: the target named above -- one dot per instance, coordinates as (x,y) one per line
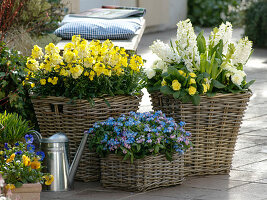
(21,168)
(203,83)
(90,82)
(134,146)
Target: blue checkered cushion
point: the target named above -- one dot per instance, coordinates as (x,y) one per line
(98,29)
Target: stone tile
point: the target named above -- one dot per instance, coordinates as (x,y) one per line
(148,197)
(181,192)
(213,183)
(257,166)
(252,188)
(238,175)
(231,195)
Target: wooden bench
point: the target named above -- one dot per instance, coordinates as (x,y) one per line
(130,45)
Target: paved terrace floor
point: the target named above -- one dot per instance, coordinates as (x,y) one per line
(248,177)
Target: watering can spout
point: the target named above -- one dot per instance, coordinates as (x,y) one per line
(77,158)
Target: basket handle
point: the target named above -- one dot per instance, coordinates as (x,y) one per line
(57,108)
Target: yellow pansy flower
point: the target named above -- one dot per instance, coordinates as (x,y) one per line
(26,160)
(11,158)
(32,85)
(49,179)
(35,164)
(181,72)
(176,85)
(37,52)
(86,73)
(43,81)
(192,90)
(10,187)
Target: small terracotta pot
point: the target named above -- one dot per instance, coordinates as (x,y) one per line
(27,192)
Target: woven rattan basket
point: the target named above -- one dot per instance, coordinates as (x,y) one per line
(143,174)
(57,114)
(214,125)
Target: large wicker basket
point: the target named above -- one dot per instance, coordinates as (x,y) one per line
(58,114)
(214,125)
(143,174)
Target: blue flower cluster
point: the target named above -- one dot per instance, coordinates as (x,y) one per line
(139,134)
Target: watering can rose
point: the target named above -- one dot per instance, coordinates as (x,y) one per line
(192,66)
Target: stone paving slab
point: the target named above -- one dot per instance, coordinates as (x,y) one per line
(247,179)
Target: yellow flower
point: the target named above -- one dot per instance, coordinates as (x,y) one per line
(205,88)
(49,179)
(163,82)
(32,64)
(176,85)
(1,152)
(86,73)
(50,80)
(10,187)
(33,85)
(192,81)
(181,72)
(37,52)
(35,164)
(26,160)
(192,74)
(92,74)
(54,81)
(51,49)
(76,71)
(11,158)
(43,81)
(192,90)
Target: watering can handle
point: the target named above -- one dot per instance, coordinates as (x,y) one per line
(37,134)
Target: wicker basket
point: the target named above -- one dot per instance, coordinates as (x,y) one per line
(57,114)
(214,125)
(144,174)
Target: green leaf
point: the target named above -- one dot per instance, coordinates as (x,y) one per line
(176,95)
(18,184)
(2,74)
(196,100)
(173,71)
(156,148)
(217,84)
(106,101)
(138,147)
(249,84)
(168,156)
(166,90)
(201,43)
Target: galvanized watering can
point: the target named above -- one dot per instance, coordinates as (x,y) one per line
(56,160)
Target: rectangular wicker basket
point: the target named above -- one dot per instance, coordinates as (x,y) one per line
(143,174)
(58,114)
(214,125)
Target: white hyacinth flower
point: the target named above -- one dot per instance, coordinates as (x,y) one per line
(224,33)
(160,64)
(242,51)
(165,52)
(187,44)
(150,73)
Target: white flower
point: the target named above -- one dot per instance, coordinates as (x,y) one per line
(2,181)
(187,44)
(237,79)
(224,33)
(242,51)
(160,64)
(165,52)
(150,73)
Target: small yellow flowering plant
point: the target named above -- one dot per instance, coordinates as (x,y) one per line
(84,70)
(192,66)
(20,164)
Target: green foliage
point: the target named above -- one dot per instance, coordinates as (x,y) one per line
(13,128)
(20,164)
(256,23)
(210,12)
(41,16)
(13,95)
